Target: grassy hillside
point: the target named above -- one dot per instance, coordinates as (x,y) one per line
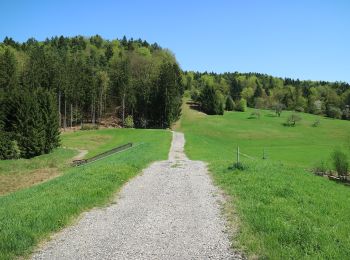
(30,215)
(300,145)
(283,210)
(23,173)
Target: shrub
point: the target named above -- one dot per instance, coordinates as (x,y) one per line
(260,102)
(129,122)
(278,108)
(195,95)
(320,168)
(340,162)
(292,120)
(255,114)
(334,112)
(241,105)
(89,127)
(239,166)
(143,122)
(316,123)
(346,113)
(299,109)
(230,105)
(9,149)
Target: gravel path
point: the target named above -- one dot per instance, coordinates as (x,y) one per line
(81,154)
(170,211)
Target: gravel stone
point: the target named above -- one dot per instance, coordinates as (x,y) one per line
(170,211)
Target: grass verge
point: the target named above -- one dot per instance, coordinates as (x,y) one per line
(23,173)
(284,211)
(31,215)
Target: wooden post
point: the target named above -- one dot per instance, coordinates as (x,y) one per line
(237,154)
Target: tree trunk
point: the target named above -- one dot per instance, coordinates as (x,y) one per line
(101,107)
(59,109)
(123,109)
(71,115)
(65,114)
(93,111)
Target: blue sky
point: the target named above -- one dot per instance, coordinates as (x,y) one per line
(299,39)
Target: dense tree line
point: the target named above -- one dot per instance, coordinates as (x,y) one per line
(331,99)
(68,81)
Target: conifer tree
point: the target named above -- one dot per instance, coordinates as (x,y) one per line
(8,70)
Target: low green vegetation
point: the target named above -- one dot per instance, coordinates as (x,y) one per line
(284,211)
(302,145)
(29,215)
(22,173)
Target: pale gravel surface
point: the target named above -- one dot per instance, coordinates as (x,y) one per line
(170,211)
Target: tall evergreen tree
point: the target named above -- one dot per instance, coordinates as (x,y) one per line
(8,69)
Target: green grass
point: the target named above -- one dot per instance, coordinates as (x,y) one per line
(22,173)
(28,216)
(284,211)
(301,145)
(56,159)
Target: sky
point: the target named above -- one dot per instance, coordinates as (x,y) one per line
(305,39)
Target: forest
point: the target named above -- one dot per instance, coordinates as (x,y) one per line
(68,81)
(234,91)
(81,81)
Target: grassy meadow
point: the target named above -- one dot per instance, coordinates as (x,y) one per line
(30,215)
(283,210)
(23,173)
(302,145)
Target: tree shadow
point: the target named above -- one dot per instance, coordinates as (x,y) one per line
(194,105)
(271,115)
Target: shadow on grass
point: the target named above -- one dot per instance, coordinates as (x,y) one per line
(271,115)
(194,105)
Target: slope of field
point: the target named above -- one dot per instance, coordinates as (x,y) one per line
(301,145)
(23,173)
(283,210)
(30,215)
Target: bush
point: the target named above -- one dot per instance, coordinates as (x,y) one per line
(195,95)
(255,114)
(8,148)
(320,168)
(241,105)
(299,109)
(292,120)
(230,105)
(278,107)
(89,127)
(340,162)
(239,166)
(129,122)
(316,123)
(142,122)
(334,112)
